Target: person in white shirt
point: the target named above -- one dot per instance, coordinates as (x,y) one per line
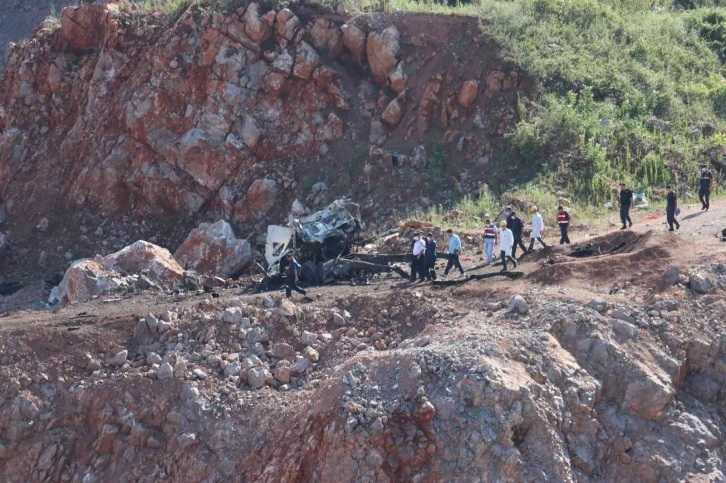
(537,229)
(418,252)
(506,242)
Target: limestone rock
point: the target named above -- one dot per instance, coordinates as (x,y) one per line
(214,250)
(671,276)
(118,359)
(699,283)
(517,304)
(151,259)
(286,24)
(382,50)
(165,371)
(256,377)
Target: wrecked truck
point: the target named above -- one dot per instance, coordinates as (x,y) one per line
(316,240)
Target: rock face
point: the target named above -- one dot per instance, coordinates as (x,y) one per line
(213,249)
(382,51)
(88,278)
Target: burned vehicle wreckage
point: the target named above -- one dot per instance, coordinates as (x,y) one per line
(323,243)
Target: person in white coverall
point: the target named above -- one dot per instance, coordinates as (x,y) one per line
(537,229)
(506,242)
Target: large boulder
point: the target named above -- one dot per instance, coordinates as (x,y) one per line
(84,280)
(213,250)
(382,50)
(88,278)
(142,256)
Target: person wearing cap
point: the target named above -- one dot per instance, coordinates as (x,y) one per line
(490,239)
(626,201)
(704,187)
(537,229)
(417,262)
(293,275)
(517,228)
(563,220)
(430,258)
(671,207)
(506,242)
(454,251)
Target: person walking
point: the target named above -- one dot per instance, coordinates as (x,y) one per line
(626,201)
(671,207)
(430,257)
(454,251)
(563,220)
(293,275)
(517,227)
(506,243)
(704,187)
(418,252)
(537,229)
(490,239)
(508,213)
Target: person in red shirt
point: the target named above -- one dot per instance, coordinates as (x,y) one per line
(563,220)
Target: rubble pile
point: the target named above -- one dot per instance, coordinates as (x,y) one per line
(564,391)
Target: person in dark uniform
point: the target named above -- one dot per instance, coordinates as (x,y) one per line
(293,275)
(508,212)
(516,226)
(563,220)
(430,257)
(671,206)
(626,201)
(704,187)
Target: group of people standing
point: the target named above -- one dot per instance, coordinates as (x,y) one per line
(508,234)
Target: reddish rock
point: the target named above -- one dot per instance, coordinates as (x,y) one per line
(83,28)
(306,60)
(286,24)
(468,93)
(392,114)
(213,250)
(256,27)
(382,50)
(354,40)
(397,79)
(261,196)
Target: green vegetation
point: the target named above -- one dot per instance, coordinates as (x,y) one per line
(626,91)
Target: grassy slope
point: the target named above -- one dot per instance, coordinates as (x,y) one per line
(626,88)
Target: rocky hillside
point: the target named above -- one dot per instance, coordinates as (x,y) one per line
(237,115)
